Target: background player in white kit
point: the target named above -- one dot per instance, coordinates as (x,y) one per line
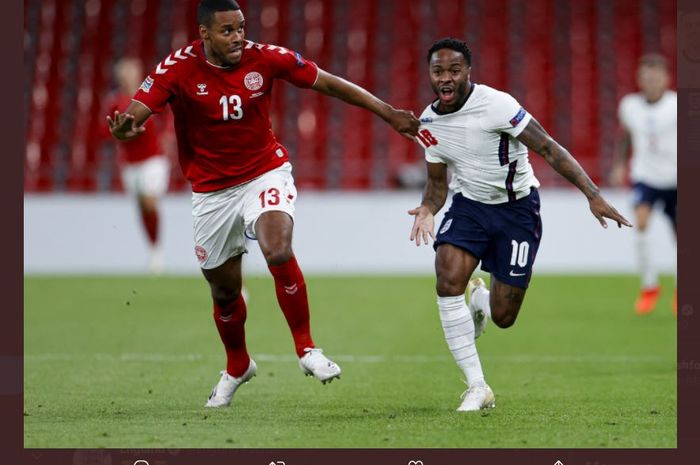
(648,124)
(483,135)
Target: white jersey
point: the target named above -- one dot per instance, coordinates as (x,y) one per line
(652,127)
(477,142)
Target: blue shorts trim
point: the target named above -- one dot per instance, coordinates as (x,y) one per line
(504,237)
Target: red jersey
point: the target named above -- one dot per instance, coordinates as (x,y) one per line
(145,146)
(222,115)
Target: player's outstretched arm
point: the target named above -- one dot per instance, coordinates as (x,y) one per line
(128,125)
(536,138)
(404,122)
(433,199)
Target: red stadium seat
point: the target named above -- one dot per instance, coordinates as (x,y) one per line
(568,63)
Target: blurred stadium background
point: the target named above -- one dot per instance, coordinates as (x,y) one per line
(568,63)
(580,369)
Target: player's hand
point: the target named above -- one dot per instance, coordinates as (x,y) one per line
(405,123)
(423,225)
(123,127)
(601,209)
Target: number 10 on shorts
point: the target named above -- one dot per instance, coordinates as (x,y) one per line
(519,255)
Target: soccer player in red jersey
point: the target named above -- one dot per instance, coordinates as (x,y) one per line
(219,90)
(144,167)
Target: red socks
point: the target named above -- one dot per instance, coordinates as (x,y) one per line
(230,321)
(291,295)
(150,223)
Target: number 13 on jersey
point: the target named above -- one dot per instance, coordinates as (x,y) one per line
(234,102)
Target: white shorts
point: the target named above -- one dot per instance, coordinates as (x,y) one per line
(149,177)
(224,218)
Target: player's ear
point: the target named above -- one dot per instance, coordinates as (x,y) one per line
(203,32)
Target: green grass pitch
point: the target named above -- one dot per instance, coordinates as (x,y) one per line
(128,362)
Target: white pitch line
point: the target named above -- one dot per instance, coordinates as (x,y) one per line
(276,358)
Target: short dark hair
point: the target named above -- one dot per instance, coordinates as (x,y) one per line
(653,60)
(207,8)
(453,44)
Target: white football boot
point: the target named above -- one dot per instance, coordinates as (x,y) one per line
(315,364)
(223,392)
(477,398)
(478,316)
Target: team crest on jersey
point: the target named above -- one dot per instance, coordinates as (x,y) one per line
(201,253)
(147,84)
(253,80)
(446,226)
(518,117)
(202,89)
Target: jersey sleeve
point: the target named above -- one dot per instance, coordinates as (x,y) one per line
(425,139)
(157,89)
(504,114)
(432,154)
(432,157)
(292,67)
(623,112)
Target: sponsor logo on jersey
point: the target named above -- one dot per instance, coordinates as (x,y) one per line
(201,253)
(257,94)
(518,117)
(427,119)
(300,60)
(202,89)
(253,80)
(515,275)
(147,84)
(446,226)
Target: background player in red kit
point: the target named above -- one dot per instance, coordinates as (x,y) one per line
(219,90)
(144,167)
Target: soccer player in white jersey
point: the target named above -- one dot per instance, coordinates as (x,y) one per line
(648,126)
(483,135)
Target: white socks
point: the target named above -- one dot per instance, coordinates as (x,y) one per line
(646,267)
(458,327)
